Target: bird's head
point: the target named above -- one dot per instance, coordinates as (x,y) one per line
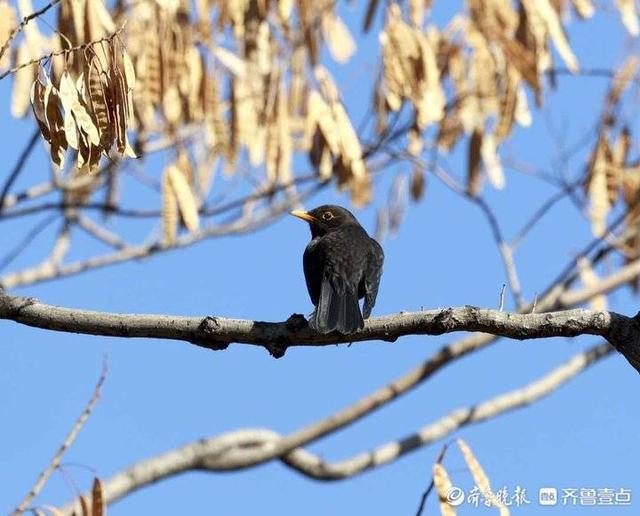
(325,218)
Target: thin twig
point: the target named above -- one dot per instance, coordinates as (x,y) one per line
(28,239)
(33,192)
(45,57)
(18,167)
(240,225)
(24,22)
(206,211)
(69,440)
(541,212)
(431,485)
(99,232)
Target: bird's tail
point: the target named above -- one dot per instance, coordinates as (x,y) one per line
(338,309)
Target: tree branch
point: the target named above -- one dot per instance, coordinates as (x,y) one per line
(242,224)
(217,332)
(19,166)
(69,440)
(237,450)
(21,25)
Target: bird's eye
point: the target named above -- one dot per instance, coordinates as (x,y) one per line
(327,215)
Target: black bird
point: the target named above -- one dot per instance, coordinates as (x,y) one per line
(342,264)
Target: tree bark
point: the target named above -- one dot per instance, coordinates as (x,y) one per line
(217,332)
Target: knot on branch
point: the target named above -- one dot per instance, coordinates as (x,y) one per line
(296,322)
(278,348)
(442,322)
(209,328)
(13,305)
(280,341)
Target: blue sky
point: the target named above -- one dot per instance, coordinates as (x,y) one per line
(161,394)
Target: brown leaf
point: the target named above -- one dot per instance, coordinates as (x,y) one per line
(22,83)
(56,125)
(631,192)
(417,183)
(84,505)
(590,279)
(337,37)
(74,106)
(285,144)
(508,104)
(326,164)
(38,106)
(99,98)
(629,14)
(449,131)
(98,505)
(524,61)
(33,37)
(597,186)
(7,24)
(350,149)
(443,486)
(480,477)
(621,148)
(617,162)
(416,12)
(491,160)
(169,210)
(621,81)
(187,204)
(172,105)
(551,19)
(429,100)
(473,167)
(319,116)
(360,190)
(415,143)
(397,203)
(584,8)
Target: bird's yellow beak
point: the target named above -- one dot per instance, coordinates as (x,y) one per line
(304,215)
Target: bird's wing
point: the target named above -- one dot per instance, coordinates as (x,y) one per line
(313,263)
(337,307)
(372,277)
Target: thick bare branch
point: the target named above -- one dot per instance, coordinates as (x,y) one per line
(217,332)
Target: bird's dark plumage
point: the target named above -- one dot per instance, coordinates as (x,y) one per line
(342,264)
